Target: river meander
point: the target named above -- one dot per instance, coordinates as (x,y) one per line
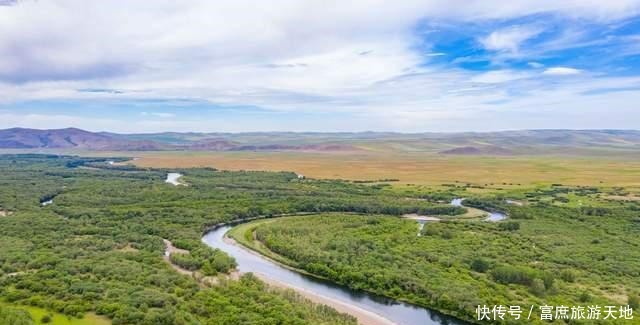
(397,312)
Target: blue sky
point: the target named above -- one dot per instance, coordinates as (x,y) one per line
(409,66)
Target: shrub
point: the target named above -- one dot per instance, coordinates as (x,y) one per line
(537,287)
(634,301)
(14,316)
(568,276)
(45,319)
(186,261)
(480,265)
(440,229)
(548,280)
(584,297)
(511,274)
(509,226)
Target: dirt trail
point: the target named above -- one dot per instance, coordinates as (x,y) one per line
(170,249)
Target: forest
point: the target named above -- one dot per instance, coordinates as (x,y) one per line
(98,247)
(544,254)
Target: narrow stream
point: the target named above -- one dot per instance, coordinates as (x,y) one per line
(397,312)
(491,216)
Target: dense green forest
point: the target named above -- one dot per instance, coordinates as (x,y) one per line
(98,247)
(545,254)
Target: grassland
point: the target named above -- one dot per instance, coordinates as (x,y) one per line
(59,319)
(422,169)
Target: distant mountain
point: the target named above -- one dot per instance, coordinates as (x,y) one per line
(72,138)
(483,150)
(20,138)
(212,145)
(525,142)
(306,147)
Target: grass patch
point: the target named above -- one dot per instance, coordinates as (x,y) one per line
(37,314)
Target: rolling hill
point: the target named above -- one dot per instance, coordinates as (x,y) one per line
(468,143)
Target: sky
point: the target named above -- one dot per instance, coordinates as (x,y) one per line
(406,66)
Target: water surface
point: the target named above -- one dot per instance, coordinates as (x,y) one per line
(491,216)
(172,178)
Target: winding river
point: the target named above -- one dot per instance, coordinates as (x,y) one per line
(389,310)
(491,216)
(394,311)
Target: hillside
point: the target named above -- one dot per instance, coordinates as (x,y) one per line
(70,138)
(469,143)
(483,150)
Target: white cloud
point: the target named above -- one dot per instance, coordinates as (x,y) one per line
(509,39)
(561,71)
(357,57)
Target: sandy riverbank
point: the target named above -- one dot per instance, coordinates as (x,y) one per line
(418,217)
(364,317)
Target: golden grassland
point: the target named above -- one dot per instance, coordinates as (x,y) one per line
(421,169)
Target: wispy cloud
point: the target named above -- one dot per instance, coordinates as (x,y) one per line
(561,71)
(509,39)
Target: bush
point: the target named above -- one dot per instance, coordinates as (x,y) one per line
(439,229)
(14,316)
(509,226)
(548,279)
(537,287)
(186,261)
(584,297)
(568,276)
(45,319)
(634,302)
(218,262)
(511,274)
(480,265)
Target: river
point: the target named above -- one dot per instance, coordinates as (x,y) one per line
(491,216)
(394,311)
(172,178)
(397,312)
